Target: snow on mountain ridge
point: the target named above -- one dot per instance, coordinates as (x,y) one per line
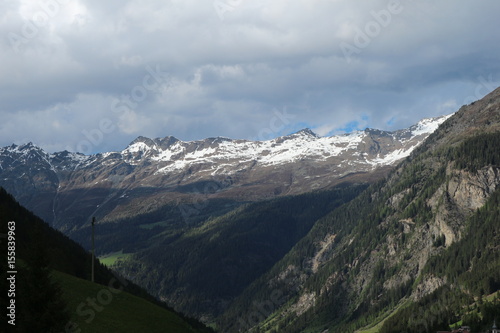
(302,144)
(172,154)
(428,125)
(270,152)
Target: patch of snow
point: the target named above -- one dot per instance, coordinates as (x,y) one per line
(429,125)
(393,157)
(136,148)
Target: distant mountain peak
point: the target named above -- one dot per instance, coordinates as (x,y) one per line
(305,132)
(28,145)
(21,147)
(25,149)
(308,131)
(141,139)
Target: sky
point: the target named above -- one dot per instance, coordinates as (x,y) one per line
(91,75)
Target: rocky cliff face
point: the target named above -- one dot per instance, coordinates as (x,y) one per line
(464,192)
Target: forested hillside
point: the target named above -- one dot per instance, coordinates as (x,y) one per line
(200,270)
(421,246)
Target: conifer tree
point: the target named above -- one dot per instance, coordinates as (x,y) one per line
(42,308)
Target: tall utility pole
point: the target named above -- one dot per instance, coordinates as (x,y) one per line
(93,249)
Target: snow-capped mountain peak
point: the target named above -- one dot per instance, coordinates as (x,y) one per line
(305,132)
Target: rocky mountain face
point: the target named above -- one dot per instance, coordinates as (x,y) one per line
(421,245)
(66,189)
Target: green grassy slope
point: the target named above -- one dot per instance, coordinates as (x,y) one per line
(114,310)
(40,250)
(112,258)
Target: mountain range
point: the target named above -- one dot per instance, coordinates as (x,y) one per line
(371,231)
(114,184)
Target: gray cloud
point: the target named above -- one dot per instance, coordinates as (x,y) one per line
(226,67)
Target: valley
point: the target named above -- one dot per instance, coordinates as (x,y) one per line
(371,231)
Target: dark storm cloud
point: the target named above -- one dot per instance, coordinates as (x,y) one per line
(195,70)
